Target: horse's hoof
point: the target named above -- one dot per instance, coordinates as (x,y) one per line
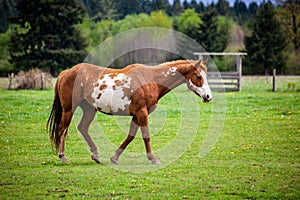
(114,160)
(63,159)
(96,159)
(155,162)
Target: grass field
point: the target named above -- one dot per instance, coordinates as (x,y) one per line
(257,155)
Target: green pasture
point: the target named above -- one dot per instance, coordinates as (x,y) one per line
(257,154)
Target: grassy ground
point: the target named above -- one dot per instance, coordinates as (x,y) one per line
(257,155)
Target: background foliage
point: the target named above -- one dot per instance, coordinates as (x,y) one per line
(50,38)
(54,34)
(265,47)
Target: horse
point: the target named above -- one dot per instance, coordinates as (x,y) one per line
(132,91)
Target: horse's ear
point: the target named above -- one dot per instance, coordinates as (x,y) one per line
(197,64)
(205,61)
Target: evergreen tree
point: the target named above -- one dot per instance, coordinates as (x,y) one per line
(7,9)
(186,5)
(211,6)
(223,7)
(253,7)
(161,5)
(240,11)
(5,65)
(213,39)
(146,6)
(100,9)
(194,4)
(200,7)
(49,39)
(124,8)
(266,44)
(177,8)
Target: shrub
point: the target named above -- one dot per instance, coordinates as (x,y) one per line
(32,79)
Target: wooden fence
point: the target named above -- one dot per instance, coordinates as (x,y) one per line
(228,81)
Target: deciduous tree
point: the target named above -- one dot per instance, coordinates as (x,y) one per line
(289,17)
(189,23)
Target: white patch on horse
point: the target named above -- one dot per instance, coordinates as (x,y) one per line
(170,72)
(205,86)
(204,90)
(111,97)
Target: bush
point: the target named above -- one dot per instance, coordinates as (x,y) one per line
(32,79)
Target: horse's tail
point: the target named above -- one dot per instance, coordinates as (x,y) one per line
(55,118)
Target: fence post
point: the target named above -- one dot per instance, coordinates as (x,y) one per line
(42,80)
(274,80)
(10,77)
(239,71)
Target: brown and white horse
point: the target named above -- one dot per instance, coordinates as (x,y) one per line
(133,91)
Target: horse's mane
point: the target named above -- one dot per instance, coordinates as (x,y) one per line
(183,62)
(178,62)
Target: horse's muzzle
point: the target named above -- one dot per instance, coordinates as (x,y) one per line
(206,98)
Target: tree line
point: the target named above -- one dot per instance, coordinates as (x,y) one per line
(55,34)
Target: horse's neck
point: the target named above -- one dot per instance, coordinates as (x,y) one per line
(171,75)
(182,66)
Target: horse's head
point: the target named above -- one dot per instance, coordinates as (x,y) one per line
(197,81)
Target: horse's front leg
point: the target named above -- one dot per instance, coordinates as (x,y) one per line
(132,132)
(146,138)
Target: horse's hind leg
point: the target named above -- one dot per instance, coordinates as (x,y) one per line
(88,116)
(63,129)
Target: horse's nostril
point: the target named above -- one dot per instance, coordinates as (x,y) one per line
(207,96)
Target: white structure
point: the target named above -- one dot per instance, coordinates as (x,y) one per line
(220,79)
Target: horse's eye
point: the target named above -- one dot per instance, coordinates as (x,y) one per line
(199,78)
